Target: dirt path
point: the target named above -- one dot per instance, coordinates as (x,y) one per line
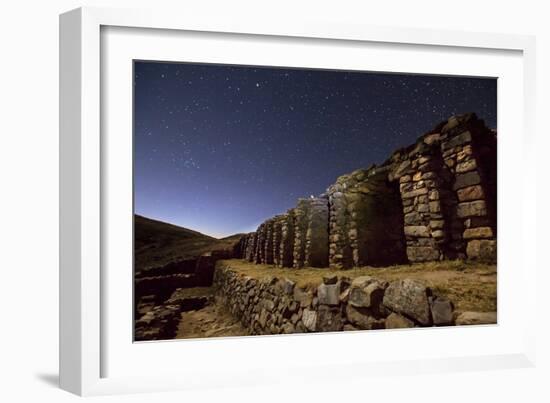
(210,321)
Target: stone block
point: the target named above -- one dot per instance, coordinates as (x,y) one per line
(417,231)
(466,179)
(442,311)
(409,298)
(414,193)
(478,233)
(483,249)
(366,292)
(470,193)
(396,321)
(309,319)
(461,139)
(422,253)
(476,318)
(328,294)
(363,318)
(466,166)
(476,208)
(329,319)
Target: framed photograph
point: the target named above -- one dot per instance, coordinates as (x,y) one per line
(239,198)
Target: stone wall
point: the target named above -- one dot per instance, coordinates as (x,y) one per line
(432,200)
(278,305)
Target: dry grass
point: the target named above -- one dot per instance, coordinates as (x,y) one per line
(471,286)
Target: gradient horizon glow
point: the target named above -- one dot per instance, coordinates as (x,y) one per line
(218,149)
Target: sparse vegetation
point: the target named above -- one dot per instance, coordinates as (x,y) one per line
(471,286)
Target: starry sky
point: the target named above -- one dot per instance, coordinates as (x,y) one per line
(219,149)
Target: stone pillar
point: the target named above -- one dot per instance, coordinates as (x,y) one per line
(468,147)
(340,252)
(421,189)
(251,251)
(260,244)
(300,232)
(277,230)
(267,257)
(316,253)
(286,248)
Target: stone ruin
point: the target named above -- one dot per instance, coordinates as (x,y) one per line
(430,201)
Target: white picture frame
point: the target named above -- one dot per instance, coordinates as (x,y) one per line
(84,302)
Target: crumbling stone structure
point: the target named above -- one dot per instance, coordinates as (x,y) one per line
(432,200)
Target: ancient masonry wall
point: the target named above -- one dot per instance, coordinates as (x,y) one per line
(432,200)
(278,305)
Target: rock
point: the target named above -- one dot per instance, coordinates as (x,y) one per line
(483,249)
(431,138)
(467,179)
(348,328)
(476,233)
(412,218)
(344,295)
(366,292)
(472,209)
(328,280)
(414,193)
(435,206)
(462,138)
(417,231)
(410,298)
(288,328)
(329,319)
(422,253)
(264,317)
(470,193)
(438,234)
(442,311)
(268,305)
(303,297)
(363,318)
(466,166)
(309,319)
(396,321)
(288,286)
(476,318)
(328,294)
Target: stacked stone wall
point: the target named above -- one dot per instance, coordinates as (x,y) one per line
(278,305)
(432,200)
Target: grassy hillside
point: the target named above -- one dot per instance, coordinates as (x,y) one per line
(158,243)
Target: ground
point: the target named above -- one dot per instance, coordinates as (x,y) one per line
(471,286)
(211,321)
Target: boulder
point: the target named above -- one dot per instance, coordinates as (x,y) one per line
(442,311)
(410,298)
(363,318)
(309,319)
(329,319)
(396,321)
(366,292)
(328,294)
(476,318)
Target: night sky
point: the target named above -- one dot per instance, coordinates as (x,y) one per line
(219,149)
